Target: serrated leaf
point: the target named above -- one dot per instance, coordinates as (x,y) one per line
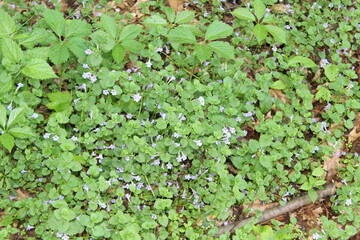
(77,46)
(15,116)
(77,28)
(131,45)
(278,34)
(7,141)
(260,32)
(170,14)
(184,17)
(109,25)
(217,30)
(7,24)
(11,50)
(130,32)
(195,30)
(3,117)
(59,53)
(181,35)
(155,20)
(38,69)
(55,20)
(244,13)
(118,53)
(59,101)
(270,19)
(202,52)
(223,49)
(278,85)
(103,40)
(304,61)
(23,132)
(331,72)
(259,8)
(36,36)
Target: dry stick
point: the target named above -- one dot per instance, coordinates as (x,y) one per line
(280,210)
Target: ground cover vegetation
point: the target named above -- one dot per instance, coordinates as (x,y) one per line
(172,120)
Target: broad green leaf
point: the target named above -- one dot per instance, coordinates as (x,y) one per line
(7,24)
(195,30)
(181,35)
(16,115)
(259,8)
(161,204)
(323,93)
(244,13)
(59,101)
(202,52)
(170,13)
(7,141)
(260,32)
(304,61)
(312,195)
(155,20)
(11,50)
(318,172)
(217,30)
(77,28)
(38,35)
(223,49)
(55,20)
(131,45)
(270,19)
(265,161)
(130,32)
(331,72)
(3,117)
(184,17)
(278,34)
(59,53)
(77,46)
(23,132)
(104,41)
(118,53)
(306,186)
(109,25)
(278,85)
(38,69)
(266,104)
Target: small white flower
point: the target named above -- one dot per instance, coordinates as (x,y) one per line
(113,92)
(88,52)
(10,107)
(221,109)
(348,202)
(85,66)
(105,92)
(198,143)
(93,79)
(129,116)
(87,75)
(29,227)
(137,97)
(332,41)
(86,187)
(202,101)
(274,48)
(176,135)
(47,135)
(35,115)
(55,138)
(74,138)
(148,63)
(169,166)
(159,49)
(65,237)
(316,236)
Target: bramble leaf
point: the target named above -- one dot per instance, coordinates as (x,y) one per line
(184,17)
(59,53)
(7,24)
(244,13)
(278,34)
(217,30)
(38,69)
(260,32)
(55,20)
(7,141)
(223,49)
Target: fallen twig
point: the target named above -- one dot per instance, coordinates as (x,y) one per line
(280,210)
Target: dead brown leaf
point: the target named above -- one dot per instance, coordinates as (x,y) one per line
(260,207)
(332,163)
(177,5)
(279,95)
(280,8)
(21,194)
(355,132)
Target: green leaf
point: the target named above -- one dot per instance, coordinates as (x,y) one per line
(104,41)
(184,17)
(259,7)
(260,32)
(77,28)
(77,46)
(130,32)
(244,13)
(3,117)
(109,25)
(38,35)
(131,45)
(7,24)
(59,53)
(161,204)
(181,35)
(323,93)
(278,34)
(223,49)
(304,61)
(7,141)
(312,195)
(59,101)
(318,172)
(55,20)
(306,186)
(155,20)
(16,115)
(11,50)
(118,53)
(38,69)
(202,52)
(266,104)
(170,13)
(331,72)
(278,85)
(265,161)
(217,30)
(23,132)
